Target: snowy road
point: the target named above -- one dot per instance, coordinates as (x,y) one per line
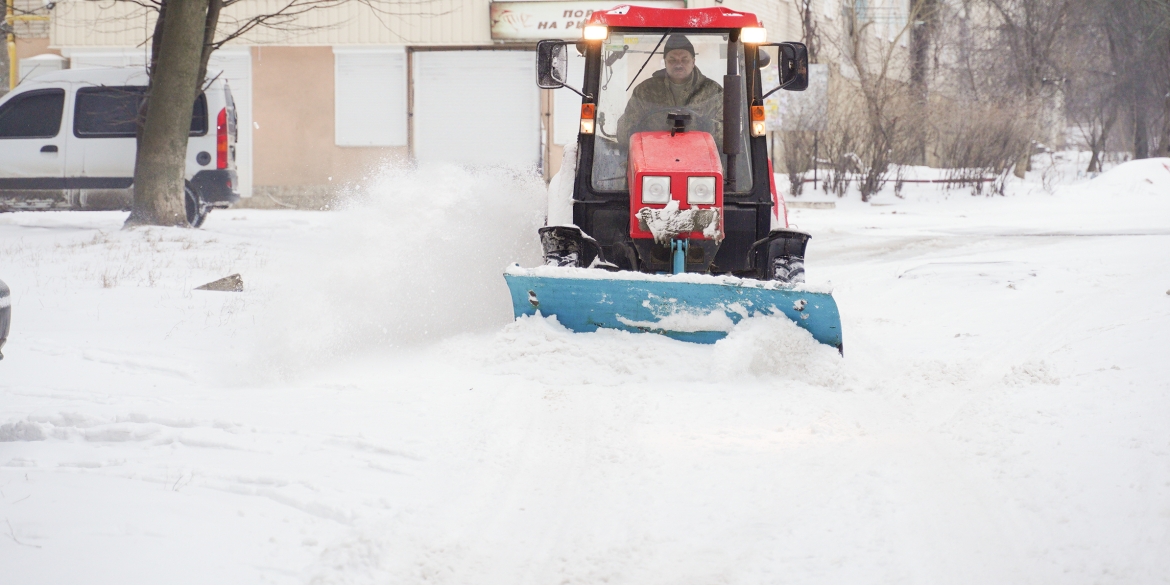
(366,413)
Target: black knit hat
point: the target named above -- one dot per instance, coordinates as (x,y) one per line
(678,42)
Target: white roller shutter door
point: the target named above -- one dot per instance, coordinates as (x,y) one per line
(370,96)
(476,107)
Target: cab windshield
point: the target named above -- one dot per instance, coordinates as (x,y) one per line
(645,77)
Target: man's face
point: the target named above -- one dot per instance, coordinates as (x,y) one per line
(679,64)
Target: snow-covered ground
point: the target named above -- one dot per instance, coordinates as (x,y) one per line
(367,411)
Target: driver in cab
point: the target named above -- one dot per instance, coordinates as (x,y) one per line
(680,85)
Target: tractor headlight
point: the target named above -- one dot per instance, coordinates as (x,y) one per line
(753,35)
(700,190)
(655,189)
(595,32)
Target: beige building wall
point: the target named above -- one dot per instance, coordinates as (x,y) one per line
(32,36)
(553,152)
(411,22)
(421,22)
(30,47)
(294,152)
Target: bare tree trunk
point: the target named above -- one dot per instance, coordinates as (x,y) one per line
(1164,142)
(1024,161)
(1141,134)
(808,28)
(209,27)
(159,169)
(157,37)
(155,45)
(924,15)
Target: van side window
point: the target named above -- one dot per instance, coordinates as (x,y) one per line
(36,114)
(112,112)
(107,112)
(199,116)
(231,108)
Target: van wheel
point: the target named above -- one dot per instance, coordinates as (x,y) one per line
(196,210)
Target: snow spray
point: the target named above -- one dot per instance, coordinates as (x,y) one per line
(416,257)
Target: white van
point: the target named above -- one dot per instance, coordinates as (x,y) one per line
(67,141)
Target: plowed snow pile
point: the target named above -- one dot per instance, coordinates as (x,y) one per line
(1143,177)
(367,411)
(759,348)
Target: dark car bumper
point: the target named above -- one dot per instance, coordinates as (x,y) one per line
(217,188)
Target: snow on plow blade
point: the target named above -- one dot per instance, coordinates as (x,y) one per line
(688,307)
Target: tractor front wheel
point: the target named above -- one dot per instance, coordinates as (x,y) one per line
(788,270)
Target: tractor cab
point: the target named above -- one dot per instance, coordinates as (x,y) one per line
(671,176)
(672,172)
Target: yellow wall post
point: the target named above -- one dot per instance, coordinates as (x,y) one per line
(10,19)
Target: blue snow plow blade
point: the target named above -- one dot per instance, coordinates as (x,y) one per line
(688,307)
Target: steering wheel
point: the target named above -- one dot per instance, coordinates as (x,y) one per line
(647,123)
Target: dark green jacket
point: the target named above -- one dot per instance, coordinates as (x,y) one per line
(700,94)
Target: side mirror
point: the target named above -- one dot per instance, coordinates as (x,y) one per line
(552,65)
(792,66)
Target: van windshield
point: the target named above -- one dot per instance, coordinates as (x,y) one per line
(644,77)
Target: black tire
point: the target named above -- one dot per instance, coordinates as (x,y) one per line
(568,246)
(562,259)
(196,210)
(788,270)
(626,256)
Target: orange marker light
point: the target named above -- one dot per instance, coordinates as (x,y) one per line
(588,111)
(759,128)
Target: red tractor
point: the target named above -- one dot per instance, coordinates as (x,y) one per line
(665,216)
